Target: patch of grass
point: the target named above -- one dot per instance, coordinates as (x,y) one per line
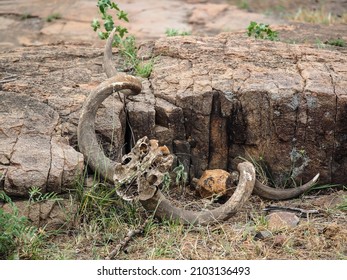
(261,31)
(53,17)
(299,161)
(144,69)
(126,45)
(171,32)
(339,42)
(318,16)
(343,205)
(128,50)
(243,4)
(320,44)
(25,16)
(18,239)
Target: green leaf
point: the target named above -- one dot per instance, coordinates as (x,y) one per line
(121,30)
(103,35)
(103,5)
(95,24)
(117,40)
(109,24)
(114,6)
(123,16)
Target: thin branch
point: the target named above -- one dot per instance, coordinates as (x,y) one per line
(121,246)
(302,212)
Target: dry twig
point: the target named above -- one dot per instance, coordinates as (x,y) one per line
(121,246)
(302,212)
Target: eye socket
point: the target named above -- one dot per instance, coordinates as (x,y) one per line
(126,160)
(144,149)
(152,179)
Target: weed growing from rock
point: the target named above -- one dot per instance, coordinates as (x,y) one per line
(126,45)
(18,239)
(171,32)
(53,17)
(339,42)
(261,31)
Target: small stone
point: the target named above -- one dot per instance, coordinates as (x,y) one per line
(213,182)
(282,220)
(279,240)
(263,234)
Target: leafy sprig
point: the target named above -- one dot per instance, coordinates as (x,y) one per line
(261,31)
(108,23)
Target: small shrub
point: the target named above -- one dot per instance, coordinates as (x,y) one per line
(261,31)
(339,42)
(171,32)
(53,17)
(25,16)
(243,4)
(108,22)
(18,239)
(126,45)
(144,69)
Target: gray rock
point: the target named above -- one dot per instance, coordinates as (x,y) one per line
(282,220)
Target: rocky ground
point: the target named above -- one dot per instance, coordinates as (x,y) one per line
(73,57)
(27,23)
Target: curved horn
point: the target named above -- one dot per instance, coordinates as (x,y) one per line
(109,68)
(282,194)
(87,141)
(158,204)
(163,208)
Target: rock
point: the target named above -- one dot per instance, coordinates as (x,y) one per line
(279,240)
(264,99)
(214,182)
(263,234)
(48,214)
(205,11)
(30,153)
(282,220)
(209,99)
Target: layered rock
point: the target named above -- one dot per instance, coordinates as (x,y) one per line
(208,99)
(283,103)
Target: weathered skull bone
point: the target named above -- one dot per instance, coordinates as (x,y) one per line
(141,172)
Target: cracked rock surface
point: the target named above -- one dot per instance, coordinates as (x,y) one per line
(208,99)
(284,103)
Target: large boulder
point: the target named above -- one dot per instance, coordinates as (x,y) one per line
(39,112)
(283,103)
(209,99)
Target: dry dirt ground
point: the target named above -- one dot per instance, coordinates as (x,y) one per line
(247,235)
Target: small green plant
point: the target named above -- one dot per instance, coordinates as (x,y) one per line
(319,44)
(299,161)
(53,17)
(261,31)
(25,16)
(127,45)
(144,69)
(339,42)
(171,32)
(18,239)
(343,205)
(181,175)
(36,195)
(243,4)
(108,22)
(128,50)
